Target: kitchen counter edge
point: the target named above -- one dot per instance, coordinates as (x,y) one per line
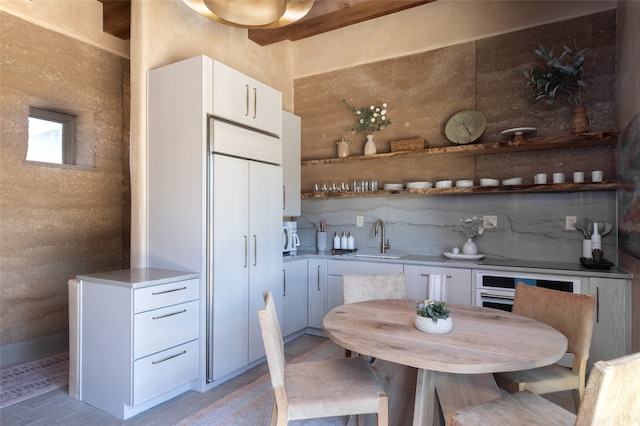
(138,277)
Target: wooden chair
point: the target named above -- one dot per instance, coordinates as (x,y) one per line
(612,397)
(358,288)
(572,315)
(335,387)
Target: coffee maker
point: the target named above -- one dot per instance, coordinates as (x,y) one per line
(290,240)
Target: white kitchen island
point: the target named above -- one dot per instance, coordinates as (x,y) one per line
(137,338)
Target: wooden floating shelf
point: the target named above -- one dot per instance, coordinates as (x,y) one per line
(558,187)
(535,144)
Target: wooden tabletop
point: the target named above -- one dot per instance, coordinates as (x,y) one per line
(483,340)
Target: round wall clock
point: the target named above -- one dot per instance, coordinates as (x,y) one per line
(465,126)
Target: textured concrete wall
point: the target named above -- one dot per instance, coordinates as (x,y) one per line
(423,90)
(58,222)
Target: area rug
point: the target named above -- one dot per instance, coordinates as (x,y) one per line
(251,404)
(34,378)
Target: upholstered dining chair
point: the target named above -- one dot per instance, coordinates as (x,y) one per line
(611,398)
(306,390)
(572,315)
(360,288)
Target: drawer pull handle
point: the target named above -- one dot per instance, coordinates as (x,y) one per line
(168,291)
(168,358)
(496,296)
(427,275)
(169,315)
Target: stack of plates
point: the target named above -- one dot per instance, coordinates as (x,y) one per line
(419,185)
(512,181)
(392,186)
(464,183)
(443,184)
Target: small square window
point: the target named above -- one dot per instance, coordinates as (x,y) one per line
(51,137)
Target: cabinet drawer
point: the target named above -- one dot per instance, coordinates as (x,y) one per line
(338,267)
(147,298)
(156,330)
(161,372)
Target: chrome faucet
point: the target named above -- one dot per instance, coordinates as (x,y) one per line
(383,245)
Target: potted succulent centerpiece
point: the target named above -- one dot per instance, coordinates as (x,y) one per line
(561,76)
(369,120)
(433,317)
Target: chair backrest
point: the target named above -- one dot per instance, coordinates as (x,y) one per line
(272,339)
(612,396)
(358,288)
(570,313)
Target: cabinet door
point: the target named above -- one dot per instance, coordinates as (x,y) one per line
(459,285)
(294,293)
(317,287)
(242,99)
(265,254)
(611,329)
(231,261)
(291,163)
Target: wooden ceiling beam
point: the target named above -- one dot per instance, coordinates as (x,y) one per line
(328,15)
(116,18)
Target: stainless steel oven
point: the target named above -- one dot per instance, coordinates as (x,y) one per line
(496,289)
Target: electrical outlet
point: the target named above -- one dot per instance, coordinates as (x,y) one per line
(360,221)
(490,222)
(570,223)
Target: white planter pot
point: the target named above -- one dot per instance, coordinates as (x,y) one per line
(427,325)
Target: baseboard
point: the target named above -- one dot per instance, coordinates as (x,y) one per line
(30,350)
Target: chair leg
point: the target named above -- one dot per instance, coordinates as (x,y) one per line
(383,410)
(347,353)
(577,397)
(274,414)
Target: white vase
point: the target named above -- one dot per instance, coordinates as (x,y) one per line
(427,325)
(469,248)
(370,146)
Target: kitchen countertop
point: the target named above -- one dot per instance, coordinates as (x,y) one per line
(558,268)
(138,278)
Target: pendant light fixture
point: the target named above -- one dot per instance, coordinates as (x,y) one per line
(252,14)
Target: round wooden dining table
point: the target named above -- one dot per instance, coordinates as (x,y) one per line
(482,340)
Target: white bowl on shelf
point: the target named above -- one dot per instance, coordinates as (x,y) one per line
(464,183)
(419,185)
(392,186)
(444,184)
(489,182)
(512,181)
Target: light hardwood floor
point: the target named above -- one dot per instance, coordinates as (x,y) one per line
(57,408)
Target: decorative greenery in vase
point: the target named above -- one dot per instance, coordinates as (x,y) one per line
(432,309)
(369,119)
(560,76)
(472,227)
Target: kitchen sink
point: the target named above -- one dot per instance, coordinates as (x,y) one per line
(378,256)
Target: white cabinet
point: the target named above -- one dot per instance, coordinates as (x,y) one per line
(139,338)
(294,296)
(215,199)
(336,269)
(459,284)
(612,328)
(246,236)
(317,292)
(242,99)
(291,139)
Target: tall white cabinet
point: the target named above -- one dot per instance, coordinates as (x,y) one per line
(215,200)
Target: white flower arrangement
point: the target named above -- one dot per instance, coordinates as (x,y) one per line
(472,227)
(370,119)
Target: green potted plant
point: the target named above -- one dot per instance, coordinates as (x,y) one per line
(561,76)
(433,317)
